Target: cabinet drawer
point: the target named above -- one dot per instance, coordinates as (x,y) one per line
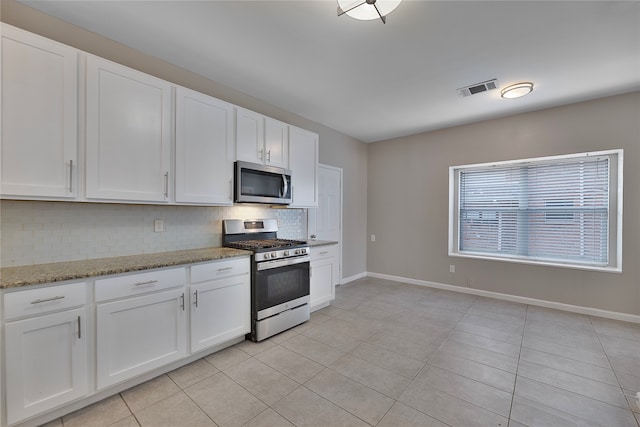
(140,283)
(219,269)
(321,252)
(44,300)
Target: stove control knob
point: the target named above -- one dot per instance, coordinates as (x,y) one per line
(285,253)
(274,255)
(303,250)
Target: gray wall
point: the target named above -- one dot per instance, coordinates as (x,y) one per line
(408,201)
(336,149)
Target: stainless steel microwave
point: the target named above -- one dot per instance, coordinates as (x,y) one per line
(256,183)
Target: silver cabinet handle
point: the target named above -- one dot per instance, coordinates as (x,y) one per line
(195,297)
(148,282)
(166,185)
(39,301)
(70,176)
(269,156)
(225,269)
(182,301)
(79,328)
(230,189)
(324,253)
(261,155)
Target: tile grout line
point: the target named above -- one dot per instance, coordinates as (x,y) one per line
(515,380)
(614,371)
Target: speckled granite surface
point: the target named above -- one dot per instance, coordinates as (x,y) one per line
(13,277)
(313,243)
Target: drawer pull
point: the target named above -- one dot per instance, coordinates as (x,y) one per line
(182,301)
(79,328)
(324,253)
(148,282)
(195,297)
(38,301)
(220,270)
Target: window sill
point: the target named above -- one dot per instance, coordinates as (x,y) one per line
(603,269)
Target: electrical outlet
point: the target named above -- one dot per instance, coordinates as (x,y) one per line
(158,226)
(373,237)
(452,268)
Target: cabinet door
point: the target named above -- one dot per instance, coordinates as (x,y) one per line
(220,311)
(136,335)
(303,162)
(249,136)
(276,143)
(204,149)
(39,116)
(46,363)
(128,134)
(321,285)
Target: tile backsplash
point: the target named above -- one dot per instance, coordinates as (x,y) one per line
(44,232)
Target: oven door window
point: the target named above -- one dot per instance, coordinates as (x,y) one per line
(282,284)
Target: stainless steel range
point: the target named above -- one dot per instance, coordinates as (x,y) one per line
(279,275)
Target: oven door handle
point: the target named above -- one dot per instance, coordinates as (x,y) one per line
(266,265)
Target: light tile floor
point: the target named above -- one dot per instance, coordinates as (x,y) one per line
(393,354)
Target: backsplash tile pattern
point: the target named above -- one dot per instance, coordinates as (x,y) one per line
(44,232)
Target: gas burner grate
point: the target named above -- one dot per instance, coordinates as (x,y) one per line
(265,244)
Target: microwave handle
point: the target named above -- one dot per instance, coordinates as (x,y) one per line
(285,185)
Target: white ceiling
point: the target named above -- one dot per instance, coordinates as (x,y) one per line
(374,81)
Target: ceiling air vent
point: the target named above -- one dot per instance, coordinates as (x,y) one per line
(478,88)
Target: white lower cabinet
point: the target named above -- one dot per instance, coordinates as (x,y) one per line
(220,302)
(324,275)
(135,334)
(142,324)
(46,352)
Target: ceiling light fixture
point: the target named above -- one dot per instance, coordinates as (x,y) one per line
(516,90)
(367,9)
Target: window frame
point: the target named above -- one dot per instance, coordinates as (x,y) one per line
(614,221)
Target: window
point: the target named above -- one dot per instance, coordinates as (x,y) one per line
(561,210)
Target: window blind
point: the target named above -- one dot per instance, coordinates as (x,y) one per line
(553,210)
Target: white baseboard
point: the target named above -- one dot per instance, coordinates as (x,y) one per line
(346,280)
(590,311)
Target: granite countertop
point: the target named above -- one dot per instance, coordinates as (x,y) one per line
(313,243)
(13,277)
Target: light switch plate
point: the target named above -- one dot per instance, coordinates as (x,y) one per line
(158,226)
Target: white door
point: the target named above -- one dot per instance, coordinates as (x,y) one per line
(39,116)
(204,149)
(325,221)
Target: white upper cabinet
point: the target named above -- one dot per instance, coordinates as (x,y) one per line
(128,125)
(39,116)
(204,149)
(276,143)
(303,162)
(260,139)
